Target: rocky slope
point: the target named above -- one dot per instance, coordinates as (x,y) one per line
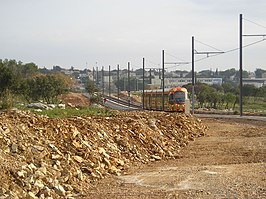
(57,158)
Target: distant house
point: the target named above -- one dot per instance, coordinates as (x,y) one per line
(172,82)
(210,81)
(257,82)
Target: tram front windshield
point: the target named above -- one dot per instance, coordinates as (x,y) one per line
(177,98)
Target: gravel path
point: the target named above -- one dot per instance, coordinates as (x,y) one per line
(229,162)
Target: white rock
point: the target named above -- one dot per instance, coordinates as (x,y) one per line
(156,157)
(32,167)
(22,173)
(14,148)
(31,195)
(39,184)
(80,175)
(60,190)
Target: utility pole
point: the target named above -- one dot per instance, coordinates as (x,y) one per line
(163,79)
(136,87)
(143,89)
(193,77)
(97,77)
(118,81)
(150,75)
(103,79)
(128,77)
(193,69)
(241,35)
(93,75)
(240,66)
(109,80)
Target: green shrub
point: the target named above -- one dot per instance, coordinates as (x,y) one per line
(6,100)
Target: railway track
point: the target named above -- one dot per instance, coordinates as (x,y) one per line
(124,103)
(121,104)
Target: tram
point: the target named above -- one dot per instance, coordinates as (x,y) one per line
(174,99)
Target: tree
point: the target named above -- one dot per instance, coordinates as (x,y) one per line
(202,97)
(262,92)
(229,87)
(218,87)
(68,82)
(229,98)
(213,97)
(249,90)
(6,78)
(91,87)
(6,83)
(28,69)
(259,72)
(44,87)
(202,92)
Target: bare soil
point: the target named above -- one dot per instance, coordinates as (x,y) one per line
(75,100)
(228,162)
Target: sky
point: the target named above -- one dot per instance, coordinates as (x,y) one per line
(99,33)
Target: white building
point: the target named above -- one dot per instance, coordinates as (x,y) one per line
(173,82)
(257,82)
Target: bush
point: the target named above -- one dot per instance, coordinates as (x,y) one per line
(7,100)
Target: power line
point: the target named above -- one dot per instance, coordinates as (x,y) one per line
(152,62)
(178,65)
(255,23)
(228,51)
(208,45)
(174,56)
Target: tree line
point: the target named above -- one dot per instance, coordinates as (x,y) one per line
(224,96)
(27,83)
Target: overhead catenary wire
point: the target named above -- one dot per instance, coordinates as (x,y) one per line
(208,56)
(224,52)
(255,23)
(178,65)
(174,56)
(208,45)
(151,62)
(179,61)
(231,50)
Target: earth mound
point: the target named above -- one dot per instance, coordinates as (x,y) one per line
(75,100)
(59,158)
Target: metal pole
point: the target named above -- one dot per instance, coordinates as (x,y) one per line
(128,76)
(150,75)
(118,81)
(143,73)
(103,79)
(193,77)
(93,75)
(97,76)
(109,80)
(240,65)
(136,89)
(163,78)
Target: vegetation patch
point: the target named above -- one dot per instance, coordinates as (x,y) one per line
(74,112)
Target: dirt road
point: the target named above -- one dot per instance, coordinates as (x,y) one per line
(229,162)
